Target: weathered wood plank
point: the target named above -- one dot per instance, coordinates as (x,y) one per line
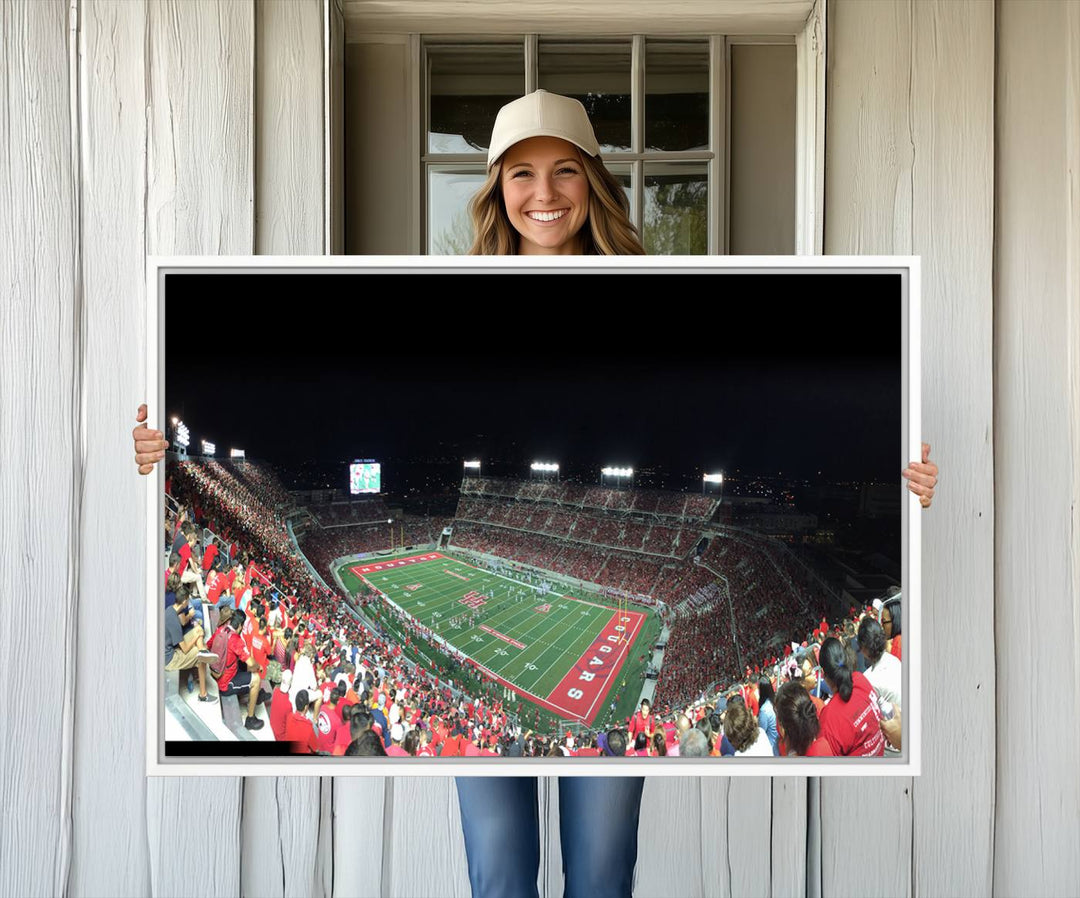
(788,842)
(423,832)
(280,837)
(358,825)
(111,859)
(200,180)
(289,132)
(41,434)
(199,201)
(952,130)
(1037,444)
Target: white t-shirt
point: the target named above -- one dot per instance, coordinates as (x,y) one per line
(761,748)
(885,677)
(304,678)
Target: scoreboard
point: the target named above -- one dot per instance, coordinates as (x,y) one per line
(365,477)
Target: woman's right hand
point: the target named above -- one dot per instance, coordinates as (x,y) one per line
(150,445)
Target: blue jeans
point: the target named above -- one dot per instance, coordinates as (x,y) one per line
(598,823)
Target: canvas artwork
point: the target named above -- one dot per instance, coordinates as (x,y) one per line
(587,516)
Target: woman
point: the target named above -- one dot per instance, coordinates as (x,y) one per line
(798,724)
(766,715)
(547,193)
(747,738)
(891,623)
(659,745)
(850,718)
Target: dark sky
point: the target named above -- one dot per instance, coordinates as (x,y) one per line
(774,372)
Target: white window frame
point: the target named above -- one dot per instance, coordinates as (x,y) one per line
(807,34)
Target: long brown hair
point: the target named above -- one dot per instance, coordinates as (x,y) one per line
(608,230)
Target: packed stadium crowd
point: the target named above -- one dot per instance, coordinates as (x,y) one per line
(251,621)
(365,511)
(684,506)
(614,531)
(321,547)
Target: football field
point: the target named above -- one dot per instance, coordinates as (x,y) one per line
(558,651)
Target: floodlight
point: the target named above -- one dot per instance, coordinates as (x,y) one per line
(183,436)
(208,448)
(473,464)
(236,453)
(714,478)
(544,466)
(617,472)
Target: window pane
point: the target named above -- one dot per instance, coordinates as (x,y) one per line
(467,87)
(676,95)
(449,191)
(676,209)
(597,74)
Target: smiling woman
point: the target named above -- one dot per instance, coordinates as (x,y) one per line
(547,191)
(546,195)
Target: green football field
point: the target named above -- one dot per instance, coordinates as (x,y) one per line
(561,651)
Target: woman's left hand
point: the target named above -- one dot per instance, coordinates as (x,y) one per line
(922,477)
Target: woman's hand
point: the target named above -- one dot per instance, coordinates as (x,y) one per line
(892,729)
(150,445)
(922,477)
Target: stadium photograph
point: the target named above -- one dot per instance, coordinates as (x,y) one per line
(414,517)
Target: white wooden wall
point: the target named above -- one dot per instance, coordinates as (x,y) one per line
(200,127)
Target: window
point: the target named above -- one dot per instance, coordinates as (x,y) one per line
(660,109)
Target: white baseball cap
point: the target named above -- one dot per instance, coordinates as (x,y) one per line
(541,114)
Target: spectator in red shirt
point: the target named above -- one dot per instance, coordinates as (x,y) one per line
(367,745)
(850,720)
(208,557)
(659,745)
(233,681)
(643,721)
(298,727)
(281,706)
(798,724)
(329,724)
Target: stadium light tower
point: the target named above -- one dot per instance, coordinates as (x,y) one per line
(543,469)
(183,435)
(472,466)
(718,479)
(236,453)
(620,475)
(208,448)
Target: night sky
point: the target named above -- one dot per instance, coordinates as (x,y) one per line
(767,373)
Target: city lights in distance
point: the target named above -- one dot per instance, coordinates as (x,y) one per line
(544,466)
(208,448)
(714,478)
(617,472)
(236,453)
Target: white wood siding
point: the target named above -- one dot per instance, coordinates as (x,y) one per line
(953,132)
(909,169)
(1036,446)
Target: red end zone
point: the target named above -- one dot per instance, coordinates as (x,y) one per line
(376,566)
(579,693)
